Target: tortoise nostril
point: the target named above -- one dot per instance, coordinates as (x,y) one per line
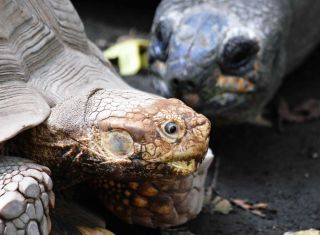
(238,55)
(190,84)
(177,83)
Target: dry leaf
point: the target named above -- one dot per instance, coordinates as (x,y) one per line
(94,231)
(221,205)
(306,232)
(258,209)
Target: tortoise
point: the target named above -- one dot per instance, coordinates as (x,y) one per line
(228,58)
(64,108)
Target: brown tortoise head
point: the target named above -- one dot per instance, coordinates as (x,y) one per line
(127,134)
(147,136)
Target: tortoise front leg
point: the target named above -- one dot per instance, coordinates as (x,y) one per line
(25,197)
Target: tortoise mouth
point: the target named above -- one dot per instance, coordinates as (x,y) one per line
(139,169)
(183,168)
(218,92)
(220,99)
(228,92)
(234,84)
(182,164)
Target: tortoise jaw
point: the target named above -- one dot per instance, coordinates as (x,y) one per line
(187,162)
(182,163)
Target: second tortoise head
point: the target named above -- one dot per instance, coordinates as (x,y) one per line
(224,58)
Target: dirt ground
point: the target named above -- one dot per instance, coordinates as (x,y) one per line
(256,163)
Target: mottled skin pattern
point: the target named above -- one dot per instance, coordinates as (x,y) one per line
(227,58)
(121,136)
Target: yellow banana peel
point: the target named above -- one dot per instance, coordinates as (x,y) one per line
(131,55)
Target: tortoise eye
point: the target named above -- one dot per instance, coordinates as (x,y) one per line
(171,128)
(172,131)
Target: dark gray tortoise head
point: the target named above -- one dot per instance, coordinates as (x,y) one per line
(224,58)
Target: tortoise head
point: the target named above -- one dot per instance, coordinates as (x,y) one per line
(128,134)
(223,58)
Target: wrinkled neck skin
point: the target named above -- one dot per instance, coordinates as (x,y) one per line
(197,33)
(117,134)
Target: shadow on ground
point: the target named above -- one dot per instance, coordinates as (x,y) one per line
(257,163)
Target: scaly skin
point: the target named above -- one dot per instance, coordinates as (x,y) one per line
(117,135)
(25,197)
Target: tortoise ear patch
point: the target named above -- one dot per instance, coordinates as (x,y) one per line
(118,142)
